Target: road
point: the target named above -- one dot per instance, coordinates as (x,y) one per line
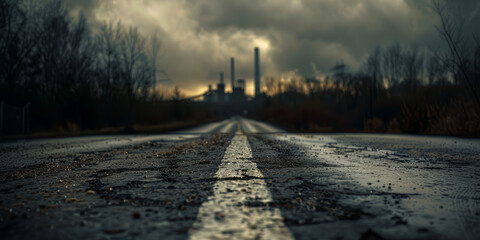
(241,179)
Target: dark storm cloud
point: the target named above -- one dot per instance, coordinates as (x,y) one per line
(349,28)
(200,36)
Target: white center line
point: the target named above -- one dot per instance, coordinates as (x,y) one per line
(239,208)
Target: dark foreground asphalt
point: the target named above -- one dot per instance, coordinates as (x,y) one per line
(241,179)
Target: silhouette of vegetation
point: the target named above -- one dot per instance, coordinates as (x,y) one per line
(399,89)
(76,78)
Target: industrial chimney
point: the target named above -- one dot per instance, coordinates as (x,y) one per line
(257,72)
(232,71)
(221,77)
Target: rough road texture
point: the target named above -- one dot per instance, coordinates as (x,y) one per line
(241,179)
(148,191)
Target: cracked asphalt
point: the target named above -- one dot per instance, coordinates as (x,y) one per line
(241,179)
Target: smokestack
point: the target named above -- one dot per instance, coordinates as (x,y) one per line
(232,71)
(221,77)
(257,72)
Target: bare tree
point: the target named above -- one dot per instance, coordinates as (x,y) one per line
(461,63)
(476,62)
(132,52)
(53,51)
(374,63)
(155,46)
(49,57)
(392,64)
(143,76)
(109,43)
(340,72)
(435,70)
(375,73)
(18,38)
(177,95)
(413,66)
(80,59)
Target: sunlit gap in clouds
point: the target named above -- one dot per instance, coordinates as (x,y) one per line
(244,59)
(262,43)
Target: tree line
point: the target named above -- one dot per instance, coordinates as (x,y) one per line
(75,76)
(400,89)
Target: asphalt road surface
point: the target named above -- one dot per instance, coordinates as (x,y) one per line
(240,179)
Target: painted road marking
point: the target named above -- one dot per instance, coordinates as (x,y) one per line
(239,208)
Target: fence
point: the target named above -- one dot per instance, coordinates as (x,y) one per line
(14,120)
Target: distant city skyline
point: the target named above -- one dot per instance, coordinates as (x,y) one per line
(306,36)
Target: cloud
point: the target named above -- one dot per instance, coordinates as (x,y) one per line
(200,36)
(307,31)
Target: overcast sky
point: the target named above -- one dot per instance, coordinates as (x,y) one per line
(307,36)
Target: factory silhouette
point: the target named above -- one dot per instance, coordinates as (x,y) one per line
(235,102)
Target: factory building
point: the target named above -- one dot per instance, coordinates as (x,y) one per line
(237,97)
(218,95)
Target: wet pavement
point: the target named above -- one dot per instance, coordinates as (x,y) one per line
(241,179)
